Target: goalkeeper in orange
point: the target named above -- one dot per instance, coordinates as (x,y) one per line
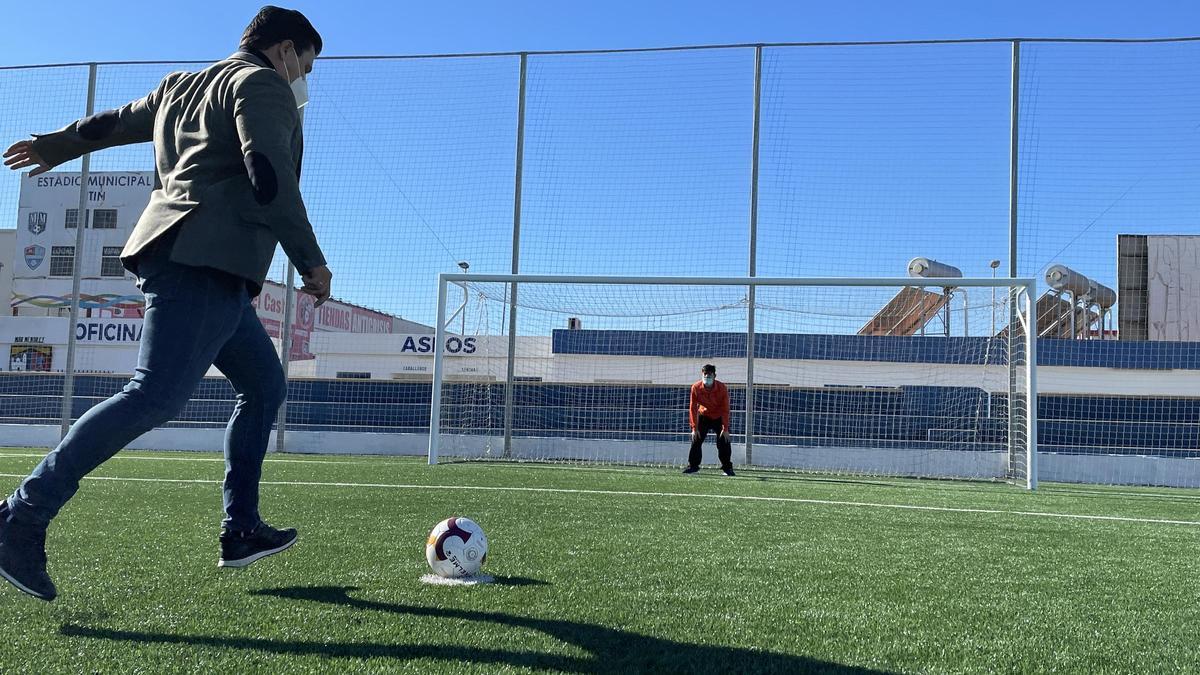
(708,410)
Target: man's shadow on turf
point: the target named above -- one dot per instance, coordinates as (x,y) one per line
(609,650)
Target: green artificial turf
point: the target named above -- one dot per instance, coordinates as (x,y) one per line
(609,570)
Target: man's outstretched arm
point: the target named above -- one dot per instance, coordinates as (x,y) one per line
(131,123)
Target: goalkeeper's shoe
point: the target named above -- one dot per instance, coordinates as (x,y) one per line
(691,469)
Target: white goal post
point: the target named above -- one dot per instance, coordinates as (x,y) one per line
(826,374)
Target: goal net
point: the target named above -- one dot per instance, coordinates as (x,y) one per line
(895,377)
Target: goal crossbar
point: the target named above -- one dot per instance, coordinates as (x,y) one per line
(1027,283)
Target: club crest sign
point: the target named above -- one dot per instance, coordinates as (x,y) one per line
(34,255)
(307,310)
(36,222)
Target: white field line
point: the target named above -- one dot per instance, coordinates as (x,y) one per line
(632,493)
(201,459)
(406,460)
(1064,490)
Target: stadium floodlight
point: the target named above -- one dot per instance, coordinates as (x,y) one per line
(464,266)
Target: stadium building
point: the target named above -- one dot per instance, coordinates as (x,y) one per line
(39,260)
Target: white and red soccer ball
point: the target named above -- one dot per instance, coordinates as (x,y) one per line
(456,548)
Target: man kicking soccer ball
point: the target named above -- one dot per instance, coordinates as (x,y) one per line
(227,147)
(708,410)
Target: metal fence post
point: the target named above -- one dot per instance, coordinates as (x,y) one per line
(1013,137)
(80,228)
(516,263)
(751,310)
(1014,308)
(285,352)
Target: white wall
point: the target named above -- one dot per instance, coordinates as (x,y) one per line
(8,247)
(1173,288)
(387,356)
(41,223)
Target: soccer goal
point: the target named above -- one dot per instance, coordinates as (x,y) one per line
(913,377)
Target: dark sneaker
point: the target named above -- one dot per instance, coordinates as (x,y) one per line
(23,558)
(728,471)
(691,469)
(240,549)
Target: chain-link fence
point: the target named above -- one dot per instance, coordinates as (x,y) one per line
(993,156)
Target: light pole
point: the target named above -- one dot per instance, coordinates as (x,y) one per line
(994,264)
(464,266)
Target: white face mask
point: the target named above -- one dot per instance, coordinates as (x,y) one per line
(708,380)
(299,85)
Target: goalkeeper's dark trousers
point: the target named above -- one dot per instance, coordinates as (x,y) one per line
(724,448)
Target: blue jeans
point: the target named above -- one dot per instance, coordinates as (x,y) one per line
(195,317)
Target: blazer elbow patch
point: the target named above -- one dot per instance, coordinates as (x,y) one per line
(97,126)
(262,177)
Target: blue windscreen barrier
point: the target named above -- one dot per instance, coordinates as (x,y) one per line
(899,417)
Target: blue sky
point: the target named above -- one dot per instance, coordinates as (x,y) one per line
(639,164)
(148,29)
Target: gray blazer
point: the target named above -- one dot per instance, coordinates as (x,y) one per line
(227,151)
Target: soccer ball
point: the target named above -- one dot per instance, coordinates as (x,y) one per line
(457,547)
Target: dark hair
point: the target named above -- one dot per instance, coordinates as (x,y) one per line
(709,368)
(273,25)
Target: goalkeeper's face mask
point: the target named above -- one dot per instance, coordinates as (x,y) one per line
(709,379)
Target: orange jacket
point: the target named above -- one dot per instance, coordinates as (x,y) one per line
(712,403)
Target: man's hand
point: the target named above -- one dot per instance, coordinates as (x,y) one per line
(21,154)
(725,435)
(695,435)
(316,284)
